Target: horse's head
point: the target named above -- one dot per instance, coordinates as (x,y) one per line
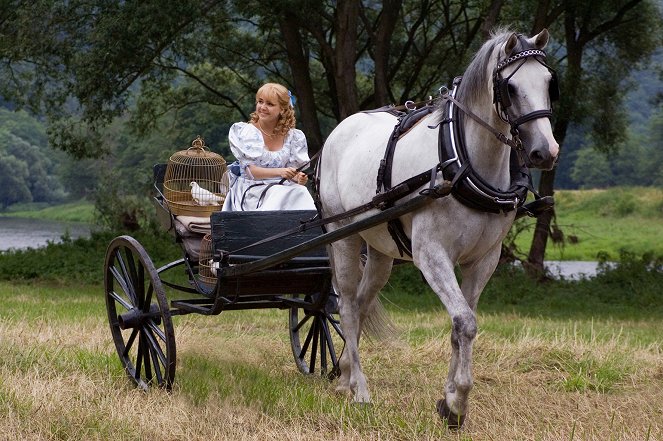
(524,87)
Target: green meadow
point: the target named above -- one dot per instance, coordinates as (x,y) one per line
(603,223)
(560,360)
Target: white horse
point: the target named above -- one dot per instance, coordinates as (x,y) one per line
(509,87)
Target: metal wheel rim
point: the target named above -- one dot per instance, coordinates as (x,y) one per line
(147,352)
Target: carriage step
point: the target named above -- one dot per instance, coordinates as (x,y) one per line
(207,307)
(198,306)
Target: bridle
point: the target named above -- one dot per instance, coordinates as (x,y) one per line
(502,98)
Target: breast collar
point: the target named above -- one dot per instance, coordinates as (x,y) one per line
(468,187)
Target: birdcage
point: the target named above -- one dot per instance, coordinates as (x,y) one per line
(196,181)
(206,270)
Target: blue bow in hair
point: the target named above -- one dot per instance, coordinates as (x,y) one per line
(293,100)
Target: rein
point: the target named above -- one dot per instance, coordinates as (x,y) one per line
(515,143)
(380,201)
(271,184)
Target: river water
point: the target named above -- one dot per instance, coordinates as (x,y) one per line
(20,233)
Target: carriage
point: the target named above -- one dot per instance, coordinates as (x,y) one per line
(453,144)
(242,260)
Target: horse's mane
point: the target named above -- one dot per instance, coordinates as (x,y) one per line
(475,77)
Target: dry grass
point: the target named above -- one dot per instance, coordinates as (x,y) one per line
(60,379)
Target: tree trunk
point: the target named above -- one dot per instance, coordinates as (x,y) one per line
(385,28)
(345,53)
(299,66)
(566,111)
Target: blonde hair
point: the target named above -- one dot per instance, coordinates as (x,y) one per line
(276,91)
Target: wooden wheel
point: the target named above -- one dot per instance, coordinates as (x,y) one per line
(138,313)
(314,336)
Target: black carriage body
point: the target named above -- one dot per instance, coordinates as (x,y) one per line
(140,306)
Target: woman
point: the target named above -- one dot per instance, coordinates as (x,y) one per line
(269,149)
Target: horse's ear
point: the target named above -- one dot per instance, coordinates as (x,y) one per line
(510,44)
(541,39)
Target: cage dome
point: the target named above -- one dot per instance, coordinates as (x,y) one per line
(196,181)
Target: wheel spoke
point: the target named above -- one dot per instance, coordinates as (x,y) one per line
(140,284)
(156,330)
(156,355)
(157,367)
(130,343)
(122,282)
(133,280)
(124,276)
(154,345)
(145,356)
(337,326)
(139,358)
(323,341)
(148,298)
(307,342)
(330,343)
(315,330)
(302,323)
(120,300)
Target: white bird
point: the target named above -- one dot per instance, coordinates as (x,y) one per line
(213,266)
(202,196)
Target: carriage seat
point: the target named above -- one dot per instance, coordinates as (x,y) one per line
(191,231)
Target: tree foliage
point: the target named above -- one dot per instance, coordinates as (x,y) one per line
(28,169)
(173,69)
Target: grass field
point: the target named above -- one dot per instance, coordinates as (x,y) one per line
(564,360)
(607,221)
(80,211)
(547,366)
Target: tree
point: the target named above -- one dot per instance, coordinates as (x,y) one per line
(600,45)
(92,58)
(166,65)
(30,165)
(13,186)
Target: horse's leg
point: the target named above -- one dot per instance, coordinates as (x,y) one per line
(375,276)
(475,277)
(354,315)
(442,280)
(344,260)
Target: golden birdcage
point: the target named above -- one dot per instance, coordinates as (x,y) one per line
(206,270)
(196,181)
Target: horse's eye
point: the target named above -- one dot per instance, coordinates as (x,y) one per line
(512,90)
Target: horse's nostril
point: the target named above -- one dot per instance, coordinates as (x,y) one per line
(537,157)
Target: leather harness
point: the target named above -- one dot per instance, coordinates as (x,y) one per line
(467,186)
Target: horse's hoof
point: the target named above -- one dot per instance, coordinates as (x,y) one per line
(344,390)
(454,422)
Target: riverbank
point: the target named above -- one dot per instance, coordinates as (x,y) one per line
(80,211)
(17,233)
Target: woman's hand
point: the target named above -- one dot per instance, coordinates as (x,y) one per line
(288,173)
(301,178)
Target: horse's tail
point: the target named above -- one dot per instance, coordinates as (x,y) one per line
(378,325)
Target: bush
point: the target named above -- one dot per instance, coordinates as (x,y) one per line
(79,260)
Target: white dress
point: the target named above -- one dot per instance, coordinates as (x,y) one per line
(246,193)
